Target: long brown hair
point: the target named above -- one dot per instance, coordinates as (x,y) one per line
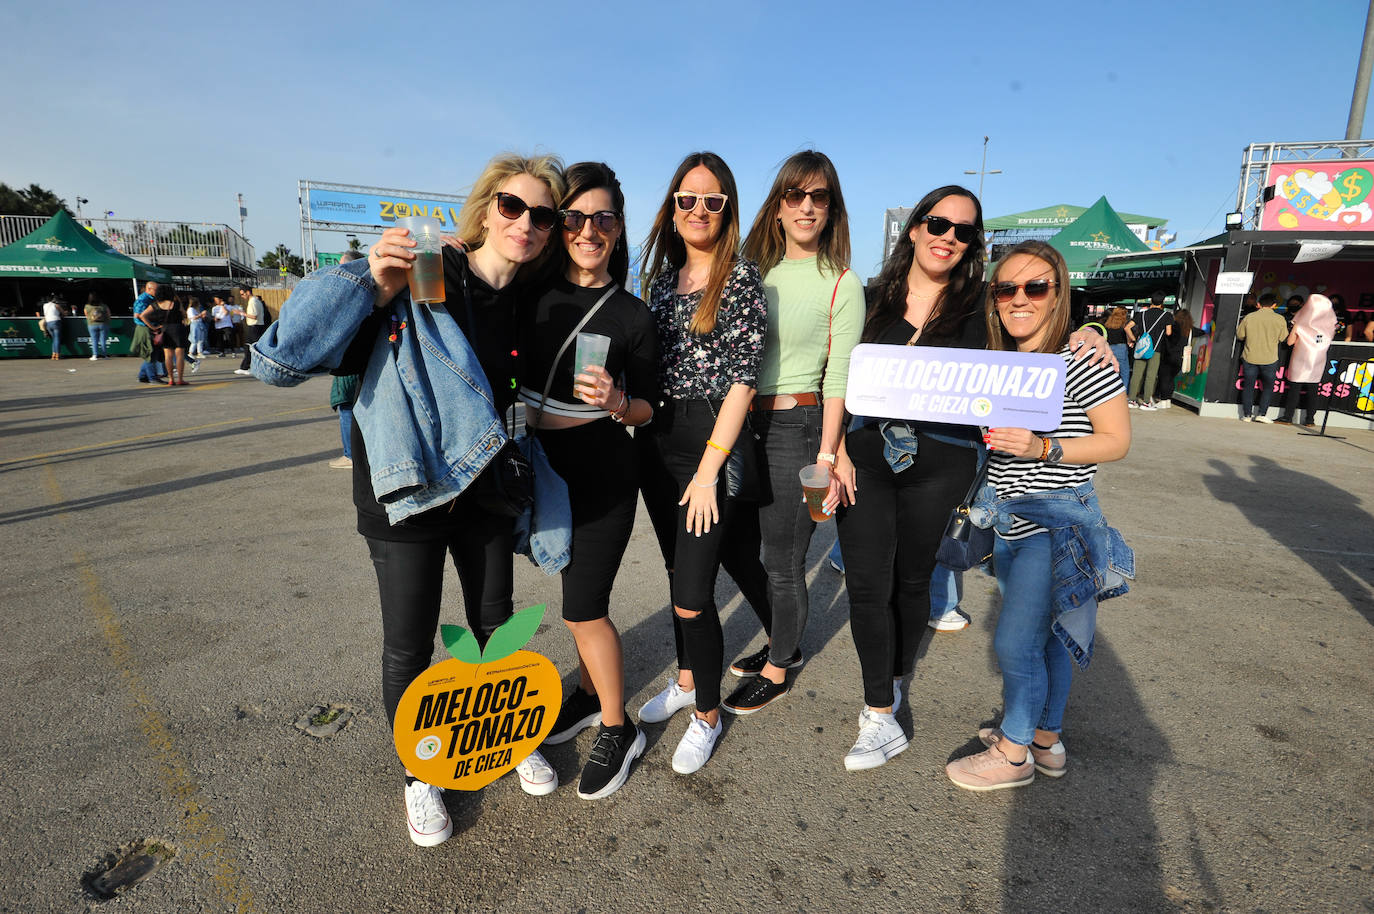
(956,302)
(664,249)
(1057,328)
(1117,318)
(766,244)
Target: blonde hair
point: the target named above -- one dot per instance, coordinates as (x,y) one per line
(545,168)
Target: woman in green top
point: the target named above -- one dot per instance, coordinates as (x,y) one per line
(800,240)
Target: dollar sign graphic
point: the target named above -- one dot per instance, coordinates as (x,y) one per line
(1352,187)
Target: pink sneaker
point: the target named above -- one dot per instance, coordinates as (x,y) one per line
(990,770)
(1051,762)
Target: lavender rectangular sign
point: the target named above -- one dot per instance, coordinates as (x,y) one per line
(961,386)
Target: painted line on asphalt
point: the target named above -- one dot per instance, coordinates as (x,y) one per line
(176,431)
(205,835)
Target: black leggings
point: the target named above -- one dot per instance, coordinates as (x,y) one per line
(670,450)
(410,577)
(889,537)
(597,461)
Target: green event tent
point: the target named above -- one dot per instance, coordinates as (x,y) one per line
(1052,217)
(1092,236)
(62,249)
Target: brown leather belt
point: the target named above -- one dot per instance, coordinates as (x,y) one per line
(784,401)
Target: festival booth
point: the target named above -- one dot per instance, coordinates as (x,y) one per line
(1042,224)
(1308,227)
(62,250)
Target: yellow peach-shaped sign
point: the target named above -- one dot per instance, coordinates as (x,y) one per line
(468,720)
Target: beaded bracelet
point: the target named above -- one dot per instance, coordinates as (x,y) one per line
(704,485)
(723,450)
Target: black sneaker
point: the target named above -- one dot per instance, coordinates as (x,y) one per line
(612,754)
(752,664)
(580,711)
(754,695)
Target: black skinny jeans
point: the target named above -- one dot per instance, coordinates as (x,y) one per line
(410,577)
(670,449)
(889,537)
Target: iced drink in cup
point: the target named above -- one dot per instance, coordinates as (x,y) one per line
(815,481)
(591,352)
(427,272)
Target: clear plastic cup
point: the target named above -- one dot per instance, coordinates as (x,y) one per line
(427,272)
(591,351)
(815,482)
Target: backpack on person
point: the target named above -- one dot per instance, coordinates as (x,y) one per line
(1145,346)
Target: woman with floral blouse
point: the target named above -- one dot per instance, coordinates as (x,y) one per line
(710,310)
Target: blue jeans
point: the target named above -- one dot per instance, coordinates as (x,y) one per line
(55,334)
(1265,373)
(346,429)
(946,590)
(1036,669)
(99,333)
(1123,359)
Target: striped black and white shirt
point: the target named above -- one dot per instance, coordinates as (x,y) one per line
(1085,387)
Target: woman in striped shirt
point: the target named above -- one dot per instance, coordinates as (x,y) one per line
(1028,311)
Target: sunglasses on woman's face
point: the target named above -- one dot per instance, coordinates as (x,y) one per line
(604,221)
(794,196)
(511,206)
(939,225)
(714,203)
(1036,290)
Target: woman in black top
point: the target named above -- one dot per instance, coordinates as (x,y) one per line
(169,317)
(581,425)
(505,224)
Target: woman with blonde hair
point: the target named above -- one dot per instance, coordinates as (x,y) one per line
(711,314)
(421,488)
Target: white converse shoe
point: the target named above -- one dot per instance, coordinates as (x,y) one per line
(537,776)
(667,703)
(696,746)
(951,621)
(880,738)
(425,812)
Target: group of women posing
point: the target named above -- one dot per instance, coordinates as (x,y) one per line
(741,351)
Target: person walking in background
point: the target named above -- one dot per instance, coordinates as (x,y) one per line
(1121,337)
(223,317)
(142,343)
(1171,361)
(1158,322)
(51,315)
(254,323)
(198,316)
(1262,330)
(168,319)
(97,326)
(1314,327)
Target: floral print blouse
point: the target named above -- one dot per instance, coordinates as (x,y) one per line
(697,367)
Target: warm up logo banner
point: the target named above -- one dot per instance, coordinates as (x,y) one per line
(961,386)
(468,720)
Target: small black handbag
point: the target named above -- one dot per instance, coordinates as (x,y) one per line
(965,545)
(742,466)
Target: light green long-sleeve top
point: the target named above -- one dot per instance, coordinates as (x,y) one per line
(801,320)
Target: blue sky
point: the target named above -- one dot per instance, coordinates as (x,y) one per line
(158,110)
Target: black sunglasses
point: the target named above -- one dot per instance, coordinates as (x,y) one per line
(511,206)
(604,221)
(794,196)
(714,203)
(939,225)
(1036,290)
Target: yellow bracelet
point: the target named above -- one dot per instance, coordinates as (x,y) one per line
(723,450)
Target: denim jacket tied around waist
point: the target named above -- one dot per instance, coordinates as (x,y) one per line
(418,460)
(900,444)
(1089,560)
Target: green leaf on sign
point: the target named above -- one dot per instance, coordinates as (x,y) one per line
(513,634)
(461,643)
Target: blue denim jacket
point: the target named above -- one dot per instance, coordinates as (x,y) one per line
(900,444)
(1089,560)
(419,459)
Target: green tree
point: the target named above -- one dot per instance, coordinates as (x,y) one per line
(32,201)
(274,259)
(354,244)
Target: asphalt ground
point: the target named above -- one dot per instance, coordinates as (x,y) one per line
(183,581)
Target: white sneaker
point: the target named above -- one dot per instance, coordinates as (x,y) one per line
(1163,404)
(880,738)
(667,703)
(1265,419)
(195,366)
(951,621)
(1246,419)
(242,371)
(696,745)
(95,358)
(429,820)
(537,776)
(1146,406)
(1131,404)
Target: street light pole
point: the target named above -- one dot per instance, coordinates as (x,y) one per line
(983,171)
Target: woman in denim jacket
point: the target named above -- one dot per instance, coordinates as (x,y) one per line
(417,483)
(1048,479)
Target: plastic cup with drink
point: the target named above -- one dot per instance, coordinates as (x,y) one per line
(815,481)
(427,272)
(591,352)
